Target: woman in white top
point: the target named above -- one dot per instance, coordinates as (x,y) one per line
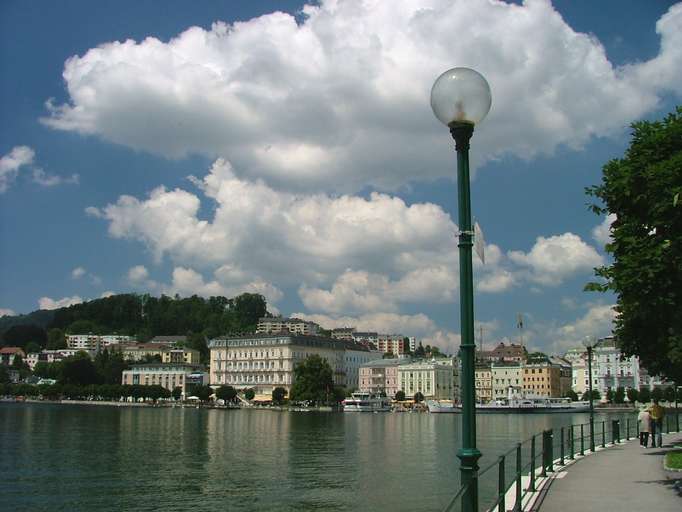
(644,427)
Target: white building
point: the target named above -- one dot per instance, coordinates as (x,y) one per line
(343,333)
(51,356)
(369,339)
(413,343)
(267,361)
(432,379)
(279,324)
(85,342)
(507,380)
(168,375)
(355,356)
(114,339)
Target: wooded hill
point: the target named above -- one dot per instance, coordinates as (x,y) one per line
(142,316)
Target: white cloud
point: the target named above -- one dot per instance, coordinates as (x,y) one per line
(48,303)
(341,99)
(292,239)
(106,294)
(498,281)
(51,180)
(552,260)
(446,341)
(597,321)
(10,164)
(602,232)
(6,312)
(78,272)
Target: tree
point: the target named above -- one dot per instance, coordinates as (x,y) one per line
(619,396)
(55,339)
(419,351)
(610,395)
(21,335)
(249,394)
(644,395)
(4,375)
(657,394)
(203,393)
(633,395)
(572,395)
(32,347)
(406,345)
(418,397)
(643,191)
(388,355)
(339,393)
(669,394)
(595,395)
(176,393)
(313,380)
(400,396)
(78,370)
(227,393)
(278,395)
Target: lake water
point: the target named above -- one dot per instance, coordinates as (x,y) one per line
(98,458)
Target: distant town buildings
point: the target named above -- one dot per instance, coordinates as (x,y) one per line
(167,375)
(391,343)
(8,354)
(433,379)
(381,376)
(278,324)
(503,353)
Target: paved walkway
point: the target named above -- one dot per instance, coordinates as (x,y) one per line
(621,478)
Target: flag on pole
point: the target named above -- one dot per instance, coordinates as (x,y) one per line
(479,242)
(519,322)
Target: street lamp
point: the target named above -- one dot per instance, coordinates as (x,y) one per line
(590,342)
(460,98)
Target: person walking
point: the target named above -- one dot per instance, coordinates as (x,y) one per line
(644,419)
(656,413)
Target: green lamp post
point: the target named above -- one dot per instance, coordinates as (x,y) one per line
(460,99)
(590,342)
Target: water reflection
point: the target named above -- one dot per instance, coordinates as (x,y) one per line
(82,458)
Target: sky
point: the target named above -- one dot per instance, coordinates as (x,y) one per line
(289,149)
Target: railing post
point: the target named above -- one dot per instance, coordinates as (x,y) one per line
(500,486)
(571,455)
(677,419)
(531,486)
(544,454)
(627,429)
(667,424)
(603,434)
(563,462)
(517,505)
(615,431)
(550,443)
(582,439)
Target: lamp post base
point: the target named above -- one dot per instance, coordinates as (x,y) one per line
(469,477)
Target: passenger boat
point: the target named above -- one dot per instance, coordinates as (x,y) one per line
(366,402)
(514,405)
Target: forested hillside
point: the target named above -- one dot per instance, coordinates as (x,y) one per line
(142,316)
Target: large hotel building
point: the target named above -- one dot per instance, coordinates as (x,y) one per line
(266,361)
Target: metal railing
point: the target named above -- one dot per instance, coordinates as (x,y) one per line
(541,452)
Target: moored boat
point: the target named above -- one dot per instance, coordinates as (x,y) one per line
(515,405)
(366,402)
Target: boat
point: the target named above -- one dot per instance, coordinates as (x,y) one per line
(514,405)
(362,401)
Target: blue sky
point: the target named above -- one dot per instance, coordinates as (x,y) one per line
(295,154)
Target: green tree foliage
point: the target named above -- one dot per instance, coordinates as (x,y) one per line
(176,393)
(595,395)
(339,393)
(227,393)
(249,394)
(644,190)
(55,339)
(420,352)
(203,393)
(278,395)
(610,395)
(645,395)
(571,394)
(406,345)
(657,395)
(400,395)
(4,375)
(78,370)
(633,395)
(22,335)
(110,366)
(619,395)
(669,394)
(313,380)
(418,397)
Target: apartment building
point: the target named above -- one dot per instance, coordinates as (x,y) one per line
(279,324)
(507,379)
(484,383)
(381,376)
(343,333)
(391,343)
(368,339)
(542,378)
(180,355)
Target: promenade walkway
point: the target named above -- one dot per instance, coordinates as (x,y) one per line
(622,478)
